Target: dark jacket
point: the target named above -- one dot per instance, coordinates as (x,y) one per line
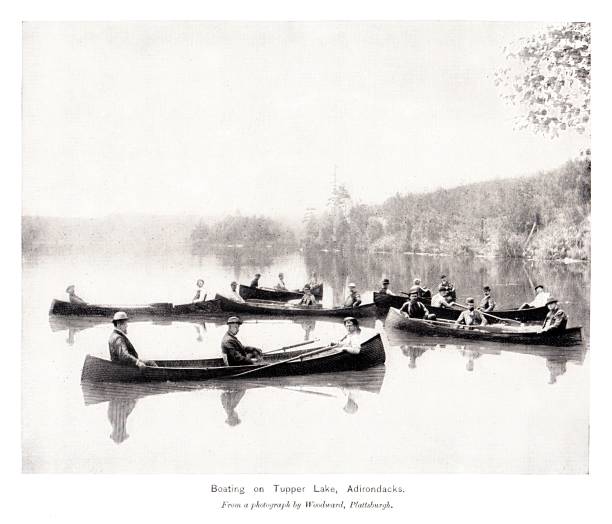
(121,349)
(555,321)
(416,310)
(236,353)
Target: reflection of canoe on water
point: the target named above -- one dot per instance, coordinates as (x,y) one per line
(496,333)
(536,314)
(281,309)
(369,381)
(331,360)
(267,293)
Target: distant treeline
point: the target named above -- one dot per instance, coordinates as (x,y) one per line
(543,216)
(243,230)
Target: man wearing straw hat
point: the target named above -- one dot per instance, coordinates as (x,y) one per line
(234,353)
(120,347)
(354,298)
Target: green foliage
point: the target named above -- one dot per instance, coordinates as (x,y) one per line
(549,77)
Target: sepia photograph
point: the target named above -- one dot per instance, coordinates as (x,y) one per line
(306,247)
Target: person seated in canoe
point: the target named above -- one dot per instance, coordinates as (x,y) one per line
(442,300)
(354,298)
(556,319)
(234,353)
(351,342)
(234,295)
(446,287)
(200,293)
(413,308)
(119,345)
(281,283)
(314,281)
(540,298)
(308,299)
(385,288)
(423,291)
(255,281)
(471,316)
(487,304)
(73,298)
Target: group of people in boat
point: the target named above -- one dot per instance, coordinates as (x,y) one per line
(233,351)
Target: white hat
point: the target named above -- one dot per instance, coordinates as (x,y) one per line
(352,284)
(120,315)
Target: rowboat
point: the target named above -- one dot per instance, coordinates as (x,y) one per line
(332,360)
(536,314)
(283,309)
(268,293)
(497,333)
(61,307)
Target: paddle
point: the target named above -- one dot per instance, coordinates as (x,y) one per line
(284,348)
(259,368)
(493,316)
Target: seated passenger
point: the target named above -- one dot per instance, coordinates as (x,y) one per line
(415,309)
(487,304)
(255,281)
(556,319)
(72,297)
(439,300)
(385,287)
(308,299)
(423,291)
(281,283)
(353,299)
(200,293)
(540,299)
(234,353)
(119,346)
(351,342)
(471,316)
(234,295)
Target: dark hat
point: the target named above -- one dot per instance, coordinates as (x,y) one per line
(385,281)
(352,319)
(486,288)
(469,300)
(233,282)
(257,274)
(307,286)
(551,300)
(442,276)
(234,320)
(537,286)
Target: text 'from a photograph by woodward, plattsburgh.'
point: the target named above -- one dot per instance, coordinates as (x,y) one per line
(304,497)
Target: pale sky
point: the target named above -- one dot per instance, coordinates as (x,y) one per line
(190,118)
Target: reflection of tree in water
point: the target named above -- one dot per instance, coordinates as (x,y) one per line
(230,398)
(557,367)
(245,261)
(118,412)
(412,352)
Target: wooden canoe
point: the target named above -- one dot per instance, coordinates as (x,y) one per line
(334,360)
(537,314)
(208,307)
(366,380)
(268,293)
(283,309)
(61,307)
(570,336)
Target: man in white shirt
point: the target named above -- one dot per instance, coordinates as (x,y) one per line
(200,294)
(540,299)
(234,294)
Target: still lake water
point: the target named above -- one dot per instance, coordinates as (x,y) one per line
(437,405)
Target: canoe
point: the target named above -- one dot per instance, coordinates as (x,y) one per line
(537,314)
(61,307)
(268,293)
(496,333)
(333,360)
(283,309)
(208,307)
(367,380)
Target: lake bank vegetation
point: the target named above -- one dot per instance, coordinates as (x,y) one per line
(546,216)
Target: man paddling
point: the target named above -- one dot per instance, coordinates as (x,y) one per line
(233,351)
(255,281)
(556,319)
(119,345)
(445,288)
(73,298)
(351,342)
(471,316)
(354,298)
(444,301)
(487,304)
(280,285)
(414,308)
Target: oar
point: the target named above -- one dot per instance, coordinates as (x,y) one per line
(284,348)
(259,368)
(493,316)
